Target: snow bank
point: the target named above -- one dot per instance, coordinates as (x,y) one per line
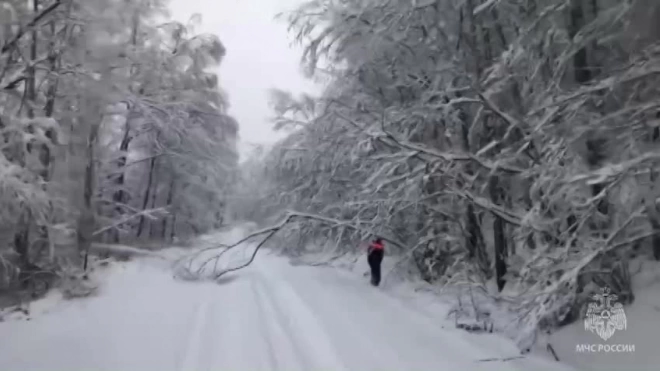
(400,287)
(642,332)
(458,305)
(139,321)
(163,259)
(397,280)
(38,307)
(64,295)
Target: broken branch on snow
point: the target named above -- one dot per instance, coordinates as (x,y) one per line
(289,217)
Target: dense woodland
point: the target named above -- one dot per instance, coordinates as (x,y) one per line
(112,130)
(505,141)
(509,143)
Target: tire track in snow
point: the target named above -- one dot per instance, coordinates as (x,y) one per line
(377,326)
(264,324)
(192,355)
(289,353)
(303,329)
(370,355)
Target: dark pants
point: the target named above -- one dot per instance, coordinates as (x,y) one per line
(374,258)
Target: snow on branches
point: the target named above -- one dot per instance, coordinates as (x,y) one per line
(112,127)
(505,141)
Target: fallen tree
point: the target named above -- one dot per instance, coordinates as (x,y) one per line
(184,268)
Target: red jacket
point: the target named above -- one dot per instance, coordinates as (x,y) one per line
(375,246)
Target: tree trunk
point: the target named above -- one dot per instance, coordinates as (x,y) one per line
(653,216)
(145,201)
(499,237)
(173,227)
(118,196)
(31,70)
(87,222)
(655,240)
(154,196)
(581,71)
(21,240)
(170,196)
(22,235)
(45,156)
(474,239)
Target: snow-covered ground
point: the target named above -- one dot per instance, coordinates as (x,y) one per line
(643,316)
(642,330)
(270,316)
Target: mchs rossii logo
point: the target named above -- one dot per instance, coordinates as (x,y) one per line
(605,316)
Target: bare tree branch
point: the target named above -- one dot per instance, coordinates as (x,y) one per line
(148,213)
(11,43)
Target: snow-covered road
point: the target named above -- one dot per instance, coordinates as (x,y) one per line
(270,316)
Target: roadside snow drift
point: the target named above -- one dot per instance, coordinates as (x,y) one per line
(642,331)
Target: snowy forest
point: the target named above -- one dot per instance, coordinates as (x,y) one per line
(505,149)
(114,130)
(487,141)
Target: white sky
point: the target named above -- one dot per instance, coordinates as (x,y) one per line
(259,57)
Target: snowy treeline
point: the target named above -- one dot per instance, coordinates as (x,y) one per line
(486,140)
(113,129)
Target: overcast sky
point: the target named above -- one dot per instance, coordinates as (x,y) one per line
(259,57)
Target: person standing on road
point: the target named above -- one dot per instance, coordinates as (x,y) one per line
(375,254)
